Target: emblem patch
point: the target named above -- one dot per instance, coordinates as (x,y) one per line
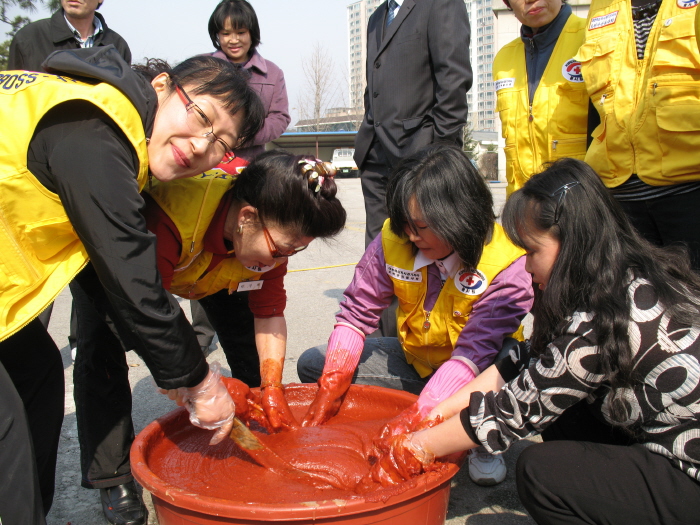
(470,283)
(686,4)
(572,70)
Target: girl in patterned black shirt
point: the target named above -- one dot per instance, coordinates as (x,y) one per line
(610,376)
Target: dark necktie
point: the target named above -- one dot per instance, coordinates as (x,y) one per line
(392,12)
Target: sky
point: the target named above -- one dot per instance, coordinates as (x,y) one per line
(176,29)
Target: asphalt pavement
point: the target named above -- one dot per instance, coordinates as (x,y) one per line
(315,285)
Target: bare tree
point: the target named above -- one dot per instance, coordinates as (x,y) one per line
(321,89)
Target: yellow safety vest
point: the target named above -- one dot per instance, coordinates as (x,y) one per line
(650,108)
(556,124)
(41,252)
(191,204)
(428,338)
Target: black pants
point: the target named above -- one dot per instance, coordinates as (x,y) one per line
(674,219)
(602,478)
(101,389)
(101,375)
(233,321)
(31,413)
(374,179)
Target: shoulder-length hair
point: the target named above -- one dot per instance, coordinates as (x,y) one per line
(242,16)
(600,251)
(452,195)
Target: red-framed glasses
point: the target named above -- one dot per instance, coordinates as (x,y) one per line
(274,250)
(199,123)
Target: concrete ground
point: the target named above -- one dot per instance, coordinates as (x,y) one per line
(314,285)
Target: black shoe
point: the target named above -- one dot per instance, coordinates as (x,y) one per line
(122,505)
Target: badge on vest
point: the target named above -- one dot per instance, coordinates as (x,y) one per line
(247,286)
(504,83)
(686,4)
(404,275)
(572,70)
(470,283)
(260,269)
(603,20)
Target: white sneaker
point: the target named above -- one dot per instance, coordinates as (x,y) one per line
(72,353)
(486,469)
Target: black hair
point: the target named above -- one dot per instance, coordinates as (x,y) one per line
(453,197)
(599,252)
(207,75)
(274,183)
(242,16)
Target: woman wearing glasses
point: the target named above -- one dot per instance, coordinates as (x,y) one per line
(462,289)
(610,377)
(221,231)
(82,143)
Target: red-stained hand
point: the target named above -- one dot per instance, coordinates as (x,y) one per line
(248,404)
(275,406)
(411,419)
(331,389)
(399,460)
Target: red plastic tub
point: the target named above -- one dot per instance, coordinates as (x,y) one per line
(192,483)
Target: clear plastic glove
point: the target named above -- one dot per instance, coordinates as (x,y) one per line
(400,459)
(344,350)
(276,408)
(209,403)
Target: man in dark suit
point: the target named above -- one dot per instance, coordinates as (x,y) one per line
(418,75)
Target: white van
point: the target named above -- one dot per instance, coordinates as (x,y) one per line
(344,163)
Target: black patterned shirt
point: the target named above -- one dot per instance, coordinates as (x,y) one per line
(664,404)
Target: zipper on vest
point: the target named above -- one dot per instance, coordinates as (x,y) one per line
(653,89)
(602,98)
(426,324)
(554,145)
(530,117)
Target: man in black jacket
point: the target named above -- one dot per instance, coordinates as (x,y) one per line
(75,25)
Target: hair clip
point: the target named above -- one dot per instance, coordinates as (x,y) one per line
(319,170)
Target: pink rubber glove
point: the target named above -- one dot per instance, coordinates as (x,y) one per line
(452,375)
(342,356)
(209,404)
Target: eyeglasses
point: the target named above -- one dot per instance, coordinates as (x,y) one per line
(562,193)
(274,250)
(198,122)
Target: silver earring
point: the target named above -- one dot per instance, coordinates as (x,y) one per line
(239,230)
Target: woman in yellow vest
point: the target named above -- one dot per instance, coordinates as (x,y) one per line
(462,290)
(640,63)
(217,231)
(541,98)
(610,377)
(78,143)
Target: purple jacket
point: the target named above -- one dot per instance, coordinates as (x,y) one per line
(268,81)
(495,315)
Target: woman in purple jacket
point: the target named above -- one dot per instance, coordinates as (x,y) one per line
(235,33)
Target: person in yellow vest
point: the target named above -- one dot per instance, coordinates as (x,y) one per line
(217,231)
(640,64)
(78,144)
(541,98)
(462,291)
(609,377)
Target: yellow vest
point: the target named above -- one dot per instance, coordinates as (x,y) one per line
(649,109)
(41,252)
(427,348)
(191,204)
(559,112)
